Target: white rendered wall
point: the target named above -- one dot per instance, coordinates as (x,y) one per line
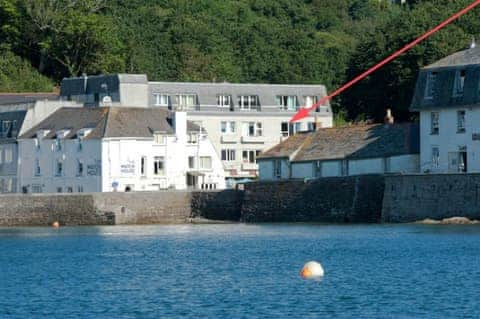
(49,182)
(331,168)
(448,140)
(134,94)
(8,167)
(405,164)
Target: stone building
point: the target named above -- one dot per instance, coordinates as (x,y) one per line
(106,149)
(344,151)
(447,96)
(241,119)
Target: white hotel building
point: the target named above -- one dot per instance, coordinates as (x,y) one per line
(241,119)
(106,149)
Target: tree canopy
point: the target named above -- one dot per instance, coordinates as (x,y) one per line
(282,41)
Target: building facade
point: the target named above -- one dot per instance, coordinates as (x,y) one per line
(344,151)
(241,119)
(447,96)
(116,149)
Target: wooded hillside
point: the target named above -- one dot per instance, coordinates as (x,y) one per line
(275,41)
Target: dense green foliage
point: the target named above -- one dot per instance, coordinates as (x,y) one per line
(276,41)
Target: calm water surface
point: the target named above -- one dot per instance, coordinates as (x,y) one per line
(240,271)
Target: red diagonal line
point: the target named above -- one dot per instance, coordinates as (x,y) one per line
(454,17)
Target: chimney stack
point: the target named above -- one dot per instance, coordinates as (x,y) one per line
(180,123)
(389,119)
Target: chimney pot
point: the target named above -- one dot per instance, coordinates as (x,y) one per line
(389,119)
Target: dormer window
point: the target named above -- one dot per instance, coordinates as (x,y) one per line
(185,101)
(287,102)
(161,99)
(160,139)
(192,138)
(431,85)
(224,100)
(248,102)
(459,83)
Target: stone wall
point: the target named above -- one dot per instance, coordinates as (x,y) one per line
(118,208)
(356,199)
(411,198)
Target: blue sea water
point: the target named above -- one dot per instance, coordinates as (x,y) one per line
(240,271)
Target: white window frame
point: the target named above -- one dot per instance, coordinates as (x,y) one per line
(287,102)
(248,102)
(80,168)
(161,99)
(159,166)
(192,162)
(435,156)
(434,123)
(228,127)
(250,156)
(186,101)
(252,129)
(228,155)
(459,83)
(160,139)
(224,100)
(38,169)
(59,168)
(461,119)
(206,162)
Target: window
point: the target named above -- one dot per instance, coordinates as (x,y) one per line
(185,101)
(143,165)
(287,102)
(58,145)
(250,156)
(345,171)
(277,168)
(36,189)
(310,100)
(284,129)
(224,100)
(461,121)
(5,128)
(435,156)
(14,125)
(59,168)
(205,162)
(69,189)
(8,155)
(37,167)
(79,168)
(252,129)
(160,139)
(227,127)
(431,84)
(159,165)
(317,168)
(80,189)
(459,83)
(248,102)
(191,162)
(59,189)
(79,144)
(37,143)
(161,99)
(228,155)
(434,123)
(192,138)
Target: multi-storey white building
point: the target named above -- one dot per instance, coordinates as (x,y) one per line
(116,149)
(447,96)
(19,112)
(241,119)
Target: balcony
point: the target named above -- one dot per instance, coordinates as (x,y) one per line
(229,139)
(249,166)
(253,139)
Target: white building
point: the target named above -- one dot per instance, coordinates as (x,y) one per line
(116,149)
(344,151)
(241,119)
(18,113)
(447,96)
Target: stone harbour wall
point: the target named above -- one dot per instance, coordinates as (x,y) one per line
(352,199)
(410,198)
(119,208)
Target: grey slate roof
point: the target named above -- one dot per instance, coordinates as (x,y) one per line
(17,98)
(349,142)
(113,122)
(465,57)
(93,84)
(207,92)
(446,70)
